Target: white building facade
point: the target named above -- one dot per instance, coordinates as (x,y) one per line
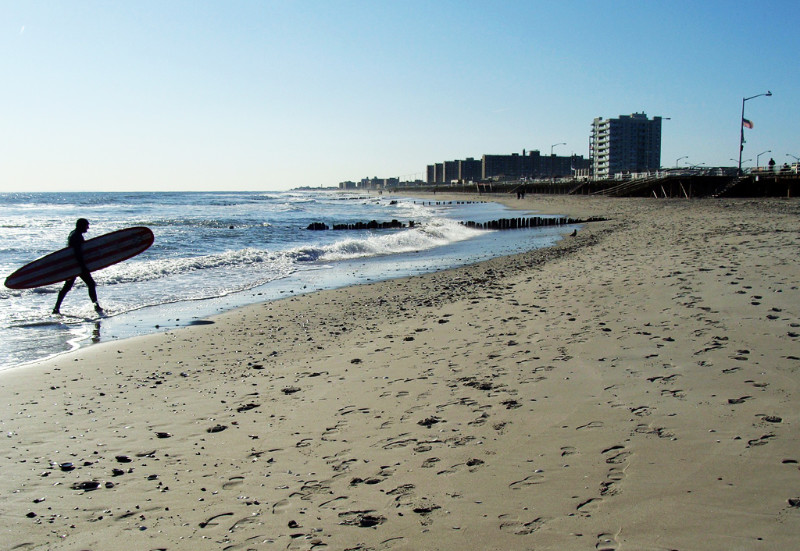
(630,143)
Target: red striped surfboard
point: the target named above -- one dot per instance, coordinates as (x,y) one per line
(98,253)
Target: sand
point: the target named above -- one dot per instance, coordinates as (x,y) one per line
(634,387)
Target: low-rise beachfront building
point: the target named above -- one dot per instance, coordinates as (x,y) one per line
(469,170)
(529,165)
(430,174)
(532,165)
(629,143)
(450,173)
(439,173)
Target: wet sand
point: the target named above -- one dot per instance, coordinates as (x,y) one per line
(634,387)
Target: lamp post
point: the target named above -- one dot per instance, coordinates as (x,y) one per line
(555,144)
(679,160)
(793,157)
(741,127)
(760,154)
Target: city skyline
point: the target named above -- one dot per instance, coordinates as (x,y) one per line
(275,95)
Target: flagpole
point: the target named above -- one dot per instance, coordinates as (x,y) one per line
(741,128)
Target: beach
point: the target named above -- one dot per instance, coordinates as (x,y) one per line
(633,387)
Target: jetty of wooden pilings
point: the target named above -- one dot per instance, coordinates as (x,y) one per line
(530,222)
(371,225)
(501,224)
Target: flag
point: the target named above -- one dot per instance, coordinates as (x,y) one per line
(747,124)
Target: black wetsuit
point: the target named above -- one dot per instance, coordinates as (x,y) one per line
(76,241)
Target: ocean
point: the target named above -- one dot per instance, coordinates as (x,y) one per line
(215,251)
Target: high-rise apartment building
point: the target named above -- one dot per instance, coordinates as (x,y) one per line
(630,143)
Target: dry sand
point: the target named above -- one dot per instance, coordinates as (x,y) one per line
(635,387)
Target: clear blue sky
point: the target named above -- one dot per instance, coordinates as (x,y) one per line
(269,95)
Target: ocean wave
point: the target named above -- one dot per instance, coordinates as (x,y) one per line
(269,264)
(420,238)
(133,271)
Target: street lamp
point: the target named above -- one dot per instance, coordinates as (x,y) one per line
(679,160)
(555,144)
(793,157)
(741,161)
(741,127)
(760,154)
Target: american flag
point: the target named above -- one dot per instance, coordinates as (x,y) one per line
(747,124)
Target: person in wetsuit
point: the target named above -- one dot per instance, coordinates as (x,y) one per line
(75,241)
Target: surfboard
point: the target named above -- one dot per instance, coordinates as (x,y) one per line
(98,253)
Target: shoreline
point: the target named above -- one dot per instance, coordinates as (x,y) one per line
(624,388)
(60,335)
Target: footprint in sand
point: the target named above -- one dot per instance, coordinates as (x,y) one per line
(616,457)
(241,523)
(397,442)
(403,489)
(390,543)
(661,432)
(362,519)
(471,464)
(606,542)
(328,434)
(591,425)
(739,400)
(382,475)
(760,441)
(343,465)
(312,488)
(589,506)
(409,412)
(430,462)
(608,487)
(519,528)
(332,502)
(233,482)
(281,507)
(527,481)
(568,450)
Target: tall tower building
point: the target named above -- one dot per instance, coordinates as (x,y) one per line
(630,143)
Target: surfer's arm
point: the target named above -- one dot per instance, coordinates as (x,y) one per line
(77,247)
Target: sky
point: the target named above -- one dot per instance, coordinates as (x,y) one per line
(271,95)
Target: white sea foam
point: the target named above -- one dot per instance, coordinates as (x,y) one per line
(420,238)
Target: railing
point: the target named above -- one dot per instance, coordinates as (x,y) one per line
(624,181)
(668,172)
(794,168)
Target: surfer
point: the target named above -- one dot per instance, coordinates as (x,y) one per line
(75,241)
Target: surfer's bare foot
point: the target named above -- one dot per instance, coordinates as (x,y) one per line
(56,311)
(98,310)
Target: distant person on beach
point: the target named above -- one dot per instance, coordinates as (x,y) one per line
(771,165)
(75,241)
